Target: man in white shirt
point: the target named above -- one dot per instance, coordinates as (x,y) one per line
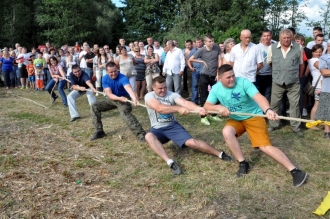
(173,67)
(246,58)
(316,32)
(158,49)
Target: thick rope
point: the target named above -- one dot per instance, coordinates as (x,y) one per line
(46,107)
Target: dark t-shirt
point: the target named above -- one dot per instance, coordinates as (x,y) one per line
(211,58)
(81,81)
(89,56)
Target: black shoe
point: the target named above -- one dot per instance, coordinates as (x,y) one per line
(54,98)
(226,157)
(65,106)
(326,135)
(175,168)
(142,139)
(74,119)
(299,177)
(98,135)
(243,169)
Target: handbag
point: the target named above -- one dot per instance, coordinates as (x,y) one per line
(309,89)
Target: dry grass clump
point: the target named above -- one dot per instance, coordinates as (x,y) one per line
(50,169)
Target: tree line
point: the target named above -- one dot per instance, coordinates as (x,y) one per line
(33,22)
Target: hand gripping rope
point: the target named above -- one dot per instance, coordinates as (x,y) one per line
(309,123)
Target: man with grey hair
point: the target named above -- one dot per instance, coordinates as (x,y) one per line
(173,67)
(286,58)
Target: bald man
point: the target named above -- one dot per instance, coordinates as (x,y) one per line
(246,57)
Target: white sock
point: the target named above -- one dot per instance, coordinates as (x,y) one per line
(221,154)
(169,162)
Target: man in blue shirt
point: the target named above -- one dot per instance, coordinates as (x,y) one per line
(80,83)
(240,95)
(118,89)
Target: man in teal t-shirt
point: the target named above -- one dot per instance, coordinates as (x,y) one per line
(240,95)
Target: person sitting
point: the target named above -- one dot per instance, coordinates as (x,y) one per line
(240,95)
(164,127)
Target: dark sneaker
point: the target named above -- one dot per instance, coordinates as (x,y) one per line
(74,119)
(226,157)
(243,169)
(54,98)
(299,177)
(65,106)
(175,168)
(98,135)
(299,133)
(326,135)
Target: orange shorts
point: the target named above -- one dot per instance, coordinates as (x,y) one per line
(256,128)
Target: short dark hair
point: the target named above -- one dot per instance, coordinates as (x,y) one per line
(110,65)
(318,28)
(292,30)
(266,31)
(316,47)
(319,35)
(75,66)
(150,47)
(121,48)
(198,39)
(159,80)
(224,68)
(209,36)
(189,41)
(300,37)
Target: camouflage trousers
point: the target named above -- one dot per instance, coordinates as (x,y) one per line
(125,110)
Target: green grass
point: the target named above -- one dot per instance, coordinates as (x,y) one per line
(42,155)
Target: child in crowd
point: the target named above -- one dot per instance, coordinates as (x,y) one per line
(39,77)
(30,70)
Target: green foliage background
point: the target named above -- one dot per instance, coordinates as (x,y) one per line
(33,22)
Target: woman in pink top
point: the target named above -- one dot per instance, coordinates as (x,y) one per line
(58,76)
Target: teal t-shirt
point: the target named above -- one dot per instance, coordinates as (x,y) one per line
(237,98)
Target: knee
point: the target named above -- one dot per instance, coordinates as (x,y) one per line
(228,132)
(192,143)
(150,137)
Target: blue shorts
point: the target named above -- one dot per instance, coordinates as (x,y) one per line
(31,78)
(174,132)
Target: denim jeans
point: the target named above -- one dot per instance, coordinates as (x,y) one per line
(174,79)
(17,78)
(9,78)
(89,71)
(61,85)
(132,80)
(72,101)
(47,77)
(194,86)
(264,85)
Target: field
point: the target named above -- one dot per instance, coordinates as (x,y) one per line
(50,169)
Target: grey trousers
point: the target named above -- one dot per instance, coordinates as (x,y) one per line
(125,110)
(293,93)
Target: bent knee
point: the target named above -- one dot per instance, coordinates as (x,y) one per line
(192,143)
(228,132)
(150,137)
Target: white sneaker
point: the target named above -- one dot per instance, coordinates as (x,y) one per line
(304,112)
(97,94)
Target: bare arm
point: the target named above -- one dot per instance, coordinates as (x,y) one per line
(192,59)
(325,72)
(264,105)
(190,106)
(301,70)
(165,109)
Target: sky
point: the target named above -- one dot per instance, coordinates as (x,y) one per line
(311,11)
